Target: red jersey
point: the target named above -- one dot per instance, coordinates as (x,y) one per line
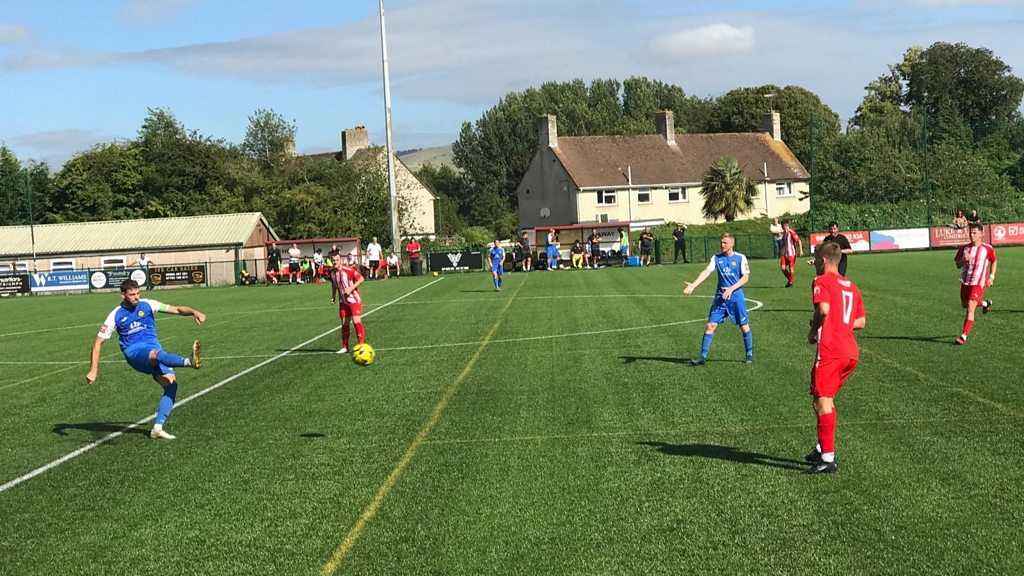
(348,276)
(789,242)
(978,258)
(835,335)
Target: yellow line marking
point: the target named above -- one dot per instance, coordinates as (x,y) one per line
(370,511)
(932,381)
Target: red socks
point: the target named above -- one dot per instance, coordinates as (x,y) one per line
(827,432)
(360,334)
(968,324)
(344,335)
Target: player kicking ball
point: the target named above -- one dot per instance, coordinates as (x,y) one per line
(838,311)
(135,322)
(975,259)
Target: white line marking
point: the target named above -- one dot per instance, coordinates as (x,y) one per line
(112,435)
(457,344)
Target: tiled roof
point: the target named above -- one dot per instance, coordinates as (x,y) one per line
(598,161)
(145,234)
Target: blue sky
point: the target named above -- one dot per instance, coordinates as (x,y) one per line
(76,73)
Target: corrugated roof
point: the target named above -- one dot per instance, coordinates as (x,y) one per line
(143,234)
(597,161)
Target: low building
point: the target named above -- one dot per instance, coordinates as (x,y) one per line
(215,242)
(653,178)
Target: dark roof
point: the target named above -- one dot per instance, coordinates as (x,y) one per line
(596,161)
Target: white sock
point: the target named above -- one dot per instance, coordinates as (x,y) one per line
(828,456)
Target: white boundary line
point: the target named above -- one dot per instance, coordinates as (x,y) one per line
(112,435)
(452,344)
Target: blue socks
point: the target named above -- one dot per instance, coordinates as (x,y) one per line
(172,360)
(163,409)
(705,345)
(748,341)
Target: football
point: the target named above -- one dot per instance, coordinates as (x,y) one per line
(363,354)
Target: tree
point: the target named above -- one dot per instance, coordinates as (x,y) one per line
(102,183)
(12,189)
(727,192)
(269,140)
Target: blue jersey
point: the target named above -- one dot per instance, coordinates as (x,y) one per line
(497,254)
(136,326)
(730,270)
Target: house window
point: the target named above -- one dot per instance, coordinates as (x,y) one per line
(6,269)
(677,195)
(114,262)
(783,189)
(643,196)
(61,265)
(606,198)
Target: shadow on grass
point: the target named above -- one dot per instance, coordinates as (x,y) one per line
(944,339)
(669,359)
(785,310)
(302,351)
(98,428)
(312,435)
(725,453)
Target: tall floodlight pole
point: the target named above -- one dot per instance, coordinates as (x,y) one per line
(31,219)
(389,145)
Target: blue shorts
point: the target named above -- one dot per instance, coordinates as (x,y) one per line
(552,252)
(497,267)
(734,309)
(138,358)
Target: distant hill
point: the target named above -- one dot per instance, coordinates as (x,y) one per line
(438,156)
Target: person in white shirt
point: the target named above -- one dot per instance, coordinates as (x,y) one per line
(776,231)
(145,263)
(294,260)
(373,252)
(318,264)
(392,262)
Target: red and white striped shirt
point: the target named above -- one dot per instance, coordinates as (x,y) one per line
(977,258)
(348,276)
(789,242)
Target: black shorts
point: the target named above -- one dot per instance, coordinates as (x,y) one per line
(293,267)
(374,264)
(645,251)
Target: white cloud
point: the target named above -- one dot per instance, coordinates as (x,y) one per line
(711,40)
(11,34)
(55,147)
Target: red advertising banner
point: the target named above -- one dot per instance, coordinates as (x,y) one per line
(949,237)
(859,239)
(1007,233)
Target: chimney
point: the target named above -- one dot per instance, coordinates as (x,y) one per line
(665,123)
(548,131)
(772,125)
(353,140)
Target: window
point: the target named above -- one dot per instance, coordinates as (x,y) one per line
(6,269)
(61,265)
(21,267)
(643,196)
(606,198)
(783,189)
(114,262)
(677,195)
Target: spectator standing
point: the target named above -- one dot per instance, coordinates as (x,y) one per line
(412,248)
(646,244)
(273,263)
(776,231)
(595,248)
(679,235)
(524,241)
(144,263)
(624,246)
(294,264)
(373,254)
(552,250)
(318,264)
(844,246)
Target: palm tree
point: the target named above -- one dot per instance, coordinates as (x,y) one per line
(727,192)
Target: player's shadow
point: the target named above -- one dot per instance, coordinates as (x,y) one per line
(305,351)
(786,310)
(943,339)
(725,453)
(669,359)
(478,290)
(312,435)
(98,428)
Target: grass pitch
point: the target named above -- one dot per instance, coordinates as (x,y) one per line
(553,428)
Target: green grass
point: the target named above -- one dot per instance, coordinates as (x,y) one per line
(554,428)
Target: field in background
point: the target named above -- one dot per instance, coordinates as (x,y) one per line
(553,428)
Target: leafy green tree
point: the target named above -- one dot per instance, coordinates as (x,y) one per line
(102,183)
(727,192)
(13,208)
(269,140)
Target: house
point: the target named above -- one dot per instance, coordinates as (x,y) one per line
(415,201)
(654,178)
